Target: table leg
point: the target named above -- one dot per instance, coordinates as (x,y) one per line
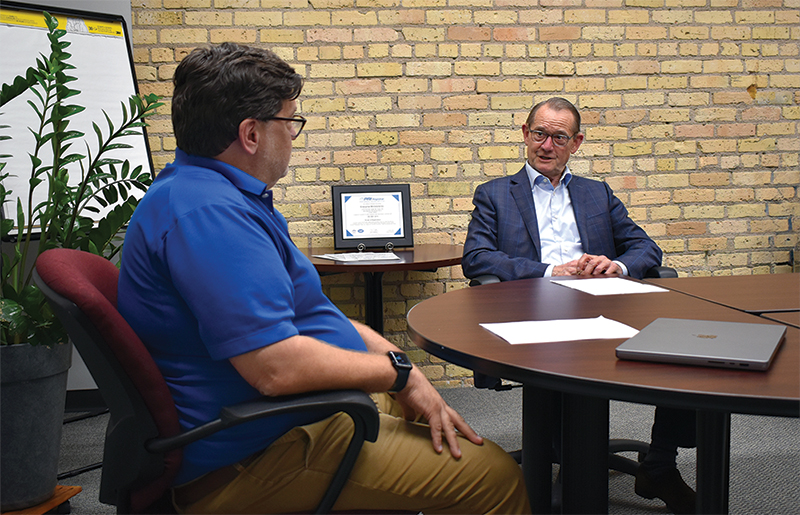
(713,461)
(537,444)
(373,300)
(584,460)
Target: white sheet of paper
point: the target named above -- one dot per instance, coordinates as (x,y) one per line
(608,286)
(544,331)
(357,257)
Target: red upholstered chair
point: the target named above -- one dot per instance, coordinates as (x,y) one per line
(143,441)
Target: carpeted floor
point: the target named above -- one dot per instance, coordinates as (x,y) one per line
(765,454)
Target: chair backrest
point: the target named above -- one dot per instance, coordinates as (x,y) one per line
(81,288)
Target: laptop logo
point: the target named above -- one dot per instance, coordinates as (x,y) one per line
(707,336)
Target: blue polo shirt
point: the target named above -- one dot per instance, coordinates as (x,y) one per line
(209,272)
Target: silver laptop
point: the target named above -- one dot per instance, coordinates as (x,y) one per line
(738,345)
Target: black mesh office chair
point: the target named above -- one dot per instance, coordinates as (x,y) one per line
(615,446)
(144,440)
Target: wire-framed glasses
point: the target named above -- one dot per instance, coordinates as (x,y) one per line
(559,140)
(296,123)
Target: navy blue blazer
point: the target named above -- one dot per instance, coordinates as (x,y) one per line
(503,235)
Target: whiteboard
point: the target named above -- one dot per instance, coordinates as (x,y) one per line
(105,78)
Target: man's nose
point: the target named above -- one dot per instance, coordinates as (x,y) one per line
(548,143)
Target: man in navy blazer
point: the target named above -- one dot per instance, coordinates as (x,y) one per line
(503,237)
(543,222)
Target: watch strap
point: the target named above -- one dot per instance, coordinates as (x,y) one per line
(403,366)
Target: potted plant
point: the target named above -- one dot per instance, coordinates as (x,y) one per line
(35,353)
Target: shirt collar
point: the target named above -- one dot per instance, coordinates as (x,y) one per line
(242,180)
(537,178)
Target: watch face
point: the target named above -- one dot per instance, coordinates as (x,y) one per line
(400,359)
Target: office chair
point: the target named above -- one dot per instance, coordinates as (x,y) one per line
(615,446)
(143,444)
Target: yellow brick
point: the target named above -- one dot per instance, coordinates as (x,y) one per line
(751,242)
(462,102)
(379,69)
(665,213)
(354,156)
(472,68)
(746,210)
(397,120)
(693,195)
(354,18)
(533,68)
(376,138)
(668,181)
(421,102)
(306,18)
(546,84)
(234,35)
(704,244)
(183,36)
(422,34)
(449,189)
(428,68)
(649,197)
(632,149)
(448,17)
(606,133)
(159,17)
(490,119)
(325,70)
(447,221)
(284,36)
(559,68)
(451,154)
(207,18)
(258,19)
(693,212)
(323,105)
(402,155)
(406,85)
(758,145)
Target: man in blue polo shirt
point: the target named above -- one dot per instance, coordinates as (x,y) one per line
(231,310)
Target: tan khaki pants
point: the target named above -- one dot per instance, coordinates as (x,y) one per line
(399,472)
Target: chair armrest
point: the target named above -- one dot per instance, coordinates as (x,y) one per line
(357,404)
(484,279)
(660,272)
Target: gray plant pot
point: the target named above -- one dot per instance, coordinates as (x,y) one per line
(33,389)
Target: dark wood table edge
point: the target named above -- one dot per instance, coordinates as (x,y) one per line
(585,418)
(670,284)
(637,394)
(374,271)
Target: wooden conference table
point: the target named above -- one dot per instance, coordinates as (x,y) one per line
(584,375)
(765,293)
(426,257)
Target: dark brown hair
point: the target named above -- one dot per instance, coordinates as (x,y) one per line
(219,86)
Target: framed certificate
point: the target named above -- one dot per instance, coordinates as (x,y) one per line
(372,216)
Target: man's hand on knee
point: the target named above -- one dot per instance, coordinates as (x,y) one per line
(419,397)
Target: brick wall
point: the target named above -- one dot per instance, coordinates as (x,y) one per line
(690,112)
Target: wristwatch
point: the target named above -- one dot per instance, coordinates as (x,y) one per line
(402,364)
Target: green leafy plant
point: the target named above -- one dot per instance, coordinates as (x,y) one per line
(63,218)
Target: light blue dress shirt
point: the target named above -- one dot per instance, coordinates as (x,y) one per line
(558,231)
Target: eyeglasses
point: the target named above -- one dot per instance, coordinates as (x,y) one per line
(559,140)
(297,123)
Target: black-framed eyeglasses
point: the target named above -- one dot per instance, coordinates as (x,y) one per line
(297,123)
(559,140)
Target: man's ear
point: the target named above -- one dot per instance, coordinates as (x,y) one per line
(249,136)
(577,140)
